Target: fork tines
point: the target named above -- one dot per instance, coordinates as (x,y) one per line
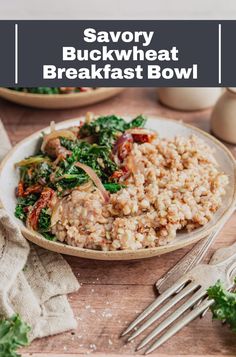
(180,290)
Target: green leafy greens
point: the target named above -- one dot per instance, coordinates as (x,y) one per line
(13,334)
(113,187)
(44,224)
(23,203)
(105,129)
(44,221)
(97,155)
(224,307)
(93,155)
(41,173)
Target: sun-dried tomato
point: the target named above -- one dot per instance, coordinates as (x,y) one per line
(143,138)
(45,198)
(122,172)
(20,189)
(33,189)
(125,149)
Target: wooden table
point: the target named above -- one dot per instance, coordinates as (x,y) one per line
(113,293)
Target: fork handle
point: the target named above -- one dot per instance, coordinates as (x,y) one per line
(191,259)
(223,253)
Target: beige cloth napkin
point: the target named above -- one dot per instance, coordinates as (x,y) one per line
(33,281)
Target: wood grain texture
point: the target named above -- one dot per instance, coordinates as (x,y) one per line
(112,294)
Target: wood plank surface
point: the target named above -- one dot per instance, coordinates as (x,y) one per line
(113,293)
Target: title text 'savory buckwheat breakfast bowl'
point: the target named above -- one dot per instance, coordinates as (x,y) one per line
(107,188)
(58,98)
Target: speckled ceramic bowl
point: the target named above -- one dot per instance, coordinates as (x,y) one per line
(59,101)
(166,128)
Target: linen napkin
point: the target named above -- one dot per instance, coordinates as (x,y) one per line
(33,281)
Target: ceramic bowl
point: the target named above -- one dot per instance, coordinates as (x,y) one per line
(165,128)
(59,101)
(189,99)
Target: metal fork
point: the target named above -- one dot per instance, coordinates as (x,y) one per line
(193,285)
(192,258)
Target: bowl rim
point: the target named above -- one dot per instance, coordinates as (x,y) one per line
(127,254)
(50,96)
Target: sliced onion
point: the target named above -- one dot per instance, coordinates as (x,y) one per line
(32,160)
(56,213)
(94,177)
(121,140)
(142,131)
(58,159)
(86,186)
(58,134)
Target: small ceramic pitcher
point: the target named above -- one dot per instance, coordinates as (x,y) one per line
(189,98)
(223,118)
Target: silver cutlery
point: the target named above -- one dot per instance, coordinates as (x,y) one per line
(191,259)
(192,286)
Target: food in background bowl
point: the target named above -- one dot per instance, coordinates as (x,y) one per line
(52,90)
(58,97)
(109,184)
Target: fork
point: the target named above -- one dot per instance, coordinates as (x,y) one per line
(192,258)
(193,285)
